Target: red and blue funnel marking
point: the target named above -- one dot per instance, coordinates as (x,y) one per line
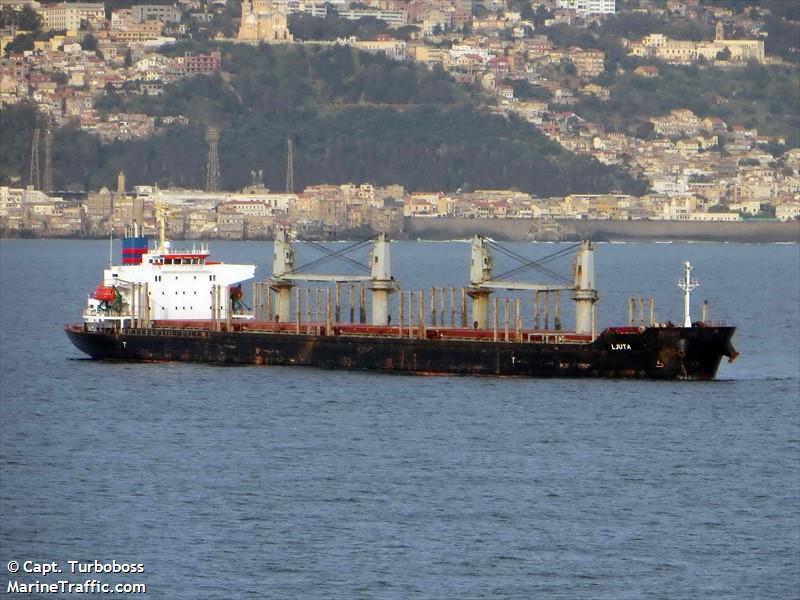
(132,250)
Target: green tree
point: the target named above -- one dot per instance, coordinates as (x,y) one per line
(524,90)
(782,35)
(406,32)
(7,17)
(17,122)
(25,41)
(28,19)
(89,42)
(540,16)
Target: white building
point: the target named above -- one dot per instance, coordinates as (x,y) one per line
(69,16)
(395,49)
(589,7)
(393,18)
(788,211)
(165,13)
(670,185)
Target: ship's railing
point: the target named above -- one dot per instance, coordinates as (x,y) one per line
(556,338)
(177,332)
(195,249)
(539,337)
(717,323)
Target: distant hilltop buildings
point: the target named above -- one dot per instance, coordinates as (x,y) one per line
(69,16)
(267,20)
(657,45)
(263,21)
(589,7)
(328,211)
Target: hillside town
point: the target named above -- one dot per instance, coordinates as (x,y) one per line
(332,211)
(696,168)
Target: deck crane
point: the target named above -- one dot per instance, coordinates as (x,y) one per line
(285,274)
(483,283)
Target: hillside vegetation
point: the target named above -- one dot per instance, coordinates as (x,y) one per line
(352,117)
(765,98)
(756,96)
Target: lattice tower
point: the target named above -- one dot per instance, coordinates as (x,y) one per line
(289,169)
(33,179)
(48,162)
(212,168)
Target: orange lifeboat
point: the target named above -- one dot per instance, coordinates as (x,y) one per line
(105,293)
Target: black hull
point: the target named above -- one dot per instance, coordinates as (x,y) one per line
(654,353)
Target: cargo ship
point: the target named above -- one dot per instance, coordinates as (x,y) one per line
(167,304)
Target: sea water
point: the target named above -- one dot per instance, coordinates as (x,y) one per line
(281,482)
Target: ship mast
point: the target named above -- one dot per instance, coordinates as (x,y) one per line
(687,284)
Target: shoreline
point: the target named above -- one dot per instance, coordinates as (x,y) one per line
(760,232)
(568,230)
(619,242)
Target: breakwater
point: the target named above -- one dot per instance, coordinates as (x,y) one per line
(598,230)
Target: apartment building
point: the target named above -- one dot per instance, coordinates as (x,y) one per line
(69,16)
(164,13)
(589,7)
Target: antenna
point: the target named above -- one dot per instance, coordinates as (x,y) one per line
(687,285)
(289,168)
(34,176)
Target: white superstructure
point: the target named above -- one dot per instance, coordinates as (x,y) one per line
(168,284)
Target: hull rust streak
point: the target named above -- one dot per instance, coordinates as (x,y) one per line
(654,352)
